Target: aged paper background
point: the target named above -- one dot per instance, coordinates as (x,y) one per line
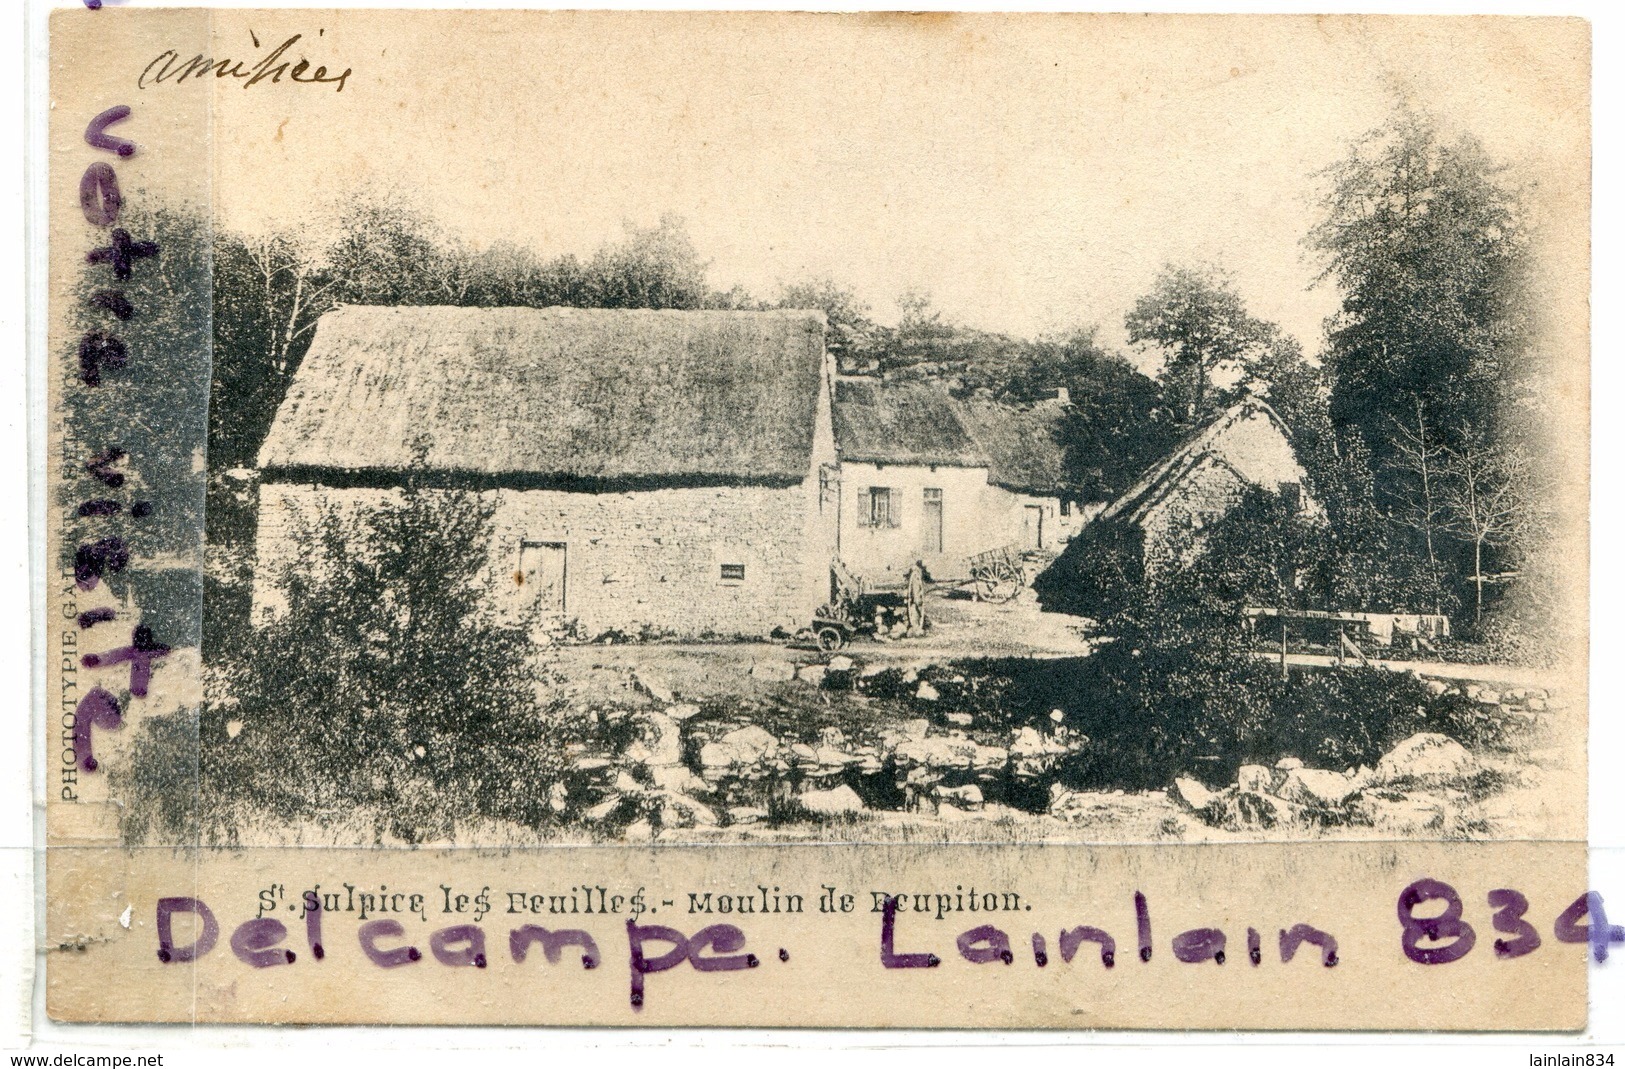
(490,108)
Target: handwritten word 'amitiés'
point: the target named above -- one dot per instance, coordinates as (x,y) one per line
(168,66)
(260,942)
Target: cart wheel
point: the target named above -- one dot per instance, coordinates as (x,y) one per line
(830,639)
(1006,582)
(983,585)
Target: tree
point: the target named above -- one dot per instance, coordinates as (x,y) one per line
(1116,425)
(851,336)
(151,330)
(1485,498)
(1425,238)
(1419,453)
(1198,321)
(652,267)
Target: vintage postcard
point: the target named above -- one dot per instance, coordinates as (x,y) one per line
(857,520)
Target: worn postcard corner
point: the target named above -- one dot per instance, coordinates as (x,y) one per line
(818,520)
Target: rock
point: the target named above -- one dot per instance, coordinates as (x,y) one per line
(938,751)
(716,755)
(1026,742)
(921,777)
(558,798)
(1250,810)
(233,728)
(951,813)
(832,737)
(1489,697)
(677,778)
(603,809)
(1073,806)
(639,831)
(829,757)
(1536,705)
(626,783)
(916,728)
(752,743)
(966,797)
(1437,688)
(812,673)
(774,671)
(659,741)
(990,758)
(1287,764)
(1190,794)
(1361,778)
(800,751)
(840,663)
(683,711)
(910,674)
(1033,753)
(746,814)
(1405,814)
(653,687)
(963,720)
(842,799)
(1056,793)
(1428,758)
(925,692)
(1315,787)
(680,811)
(1254,778)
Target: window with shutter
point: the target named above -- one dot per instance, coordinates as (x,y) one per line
(880,506)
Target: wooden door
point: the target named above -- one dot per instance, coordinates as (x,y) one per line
(1032,526)
(542,573)
(931,521)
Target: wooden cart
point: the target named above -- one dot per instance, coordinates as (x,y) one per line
(998,575)
(855,608)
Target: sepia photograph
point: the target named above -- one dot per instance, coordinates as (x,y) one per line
(957,434)
(1058,534)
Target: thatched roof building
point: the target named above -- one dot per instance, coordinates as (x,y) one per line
(922,423)
(1023,445)
(645,472)
(901,423)
(527,396)
(1247,442)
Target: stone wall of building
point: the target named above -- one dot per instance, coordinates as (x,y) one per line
(719,561)
(1174,527)
(1251,451)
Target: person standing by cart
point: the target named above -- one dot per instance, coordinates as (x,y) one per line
(915,592)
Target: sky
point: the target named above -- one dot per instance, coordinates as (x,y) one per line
(1031,174)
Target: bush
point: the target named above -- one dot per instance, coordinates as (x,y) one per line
(388,689)
(1177,688)
(1100,571)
